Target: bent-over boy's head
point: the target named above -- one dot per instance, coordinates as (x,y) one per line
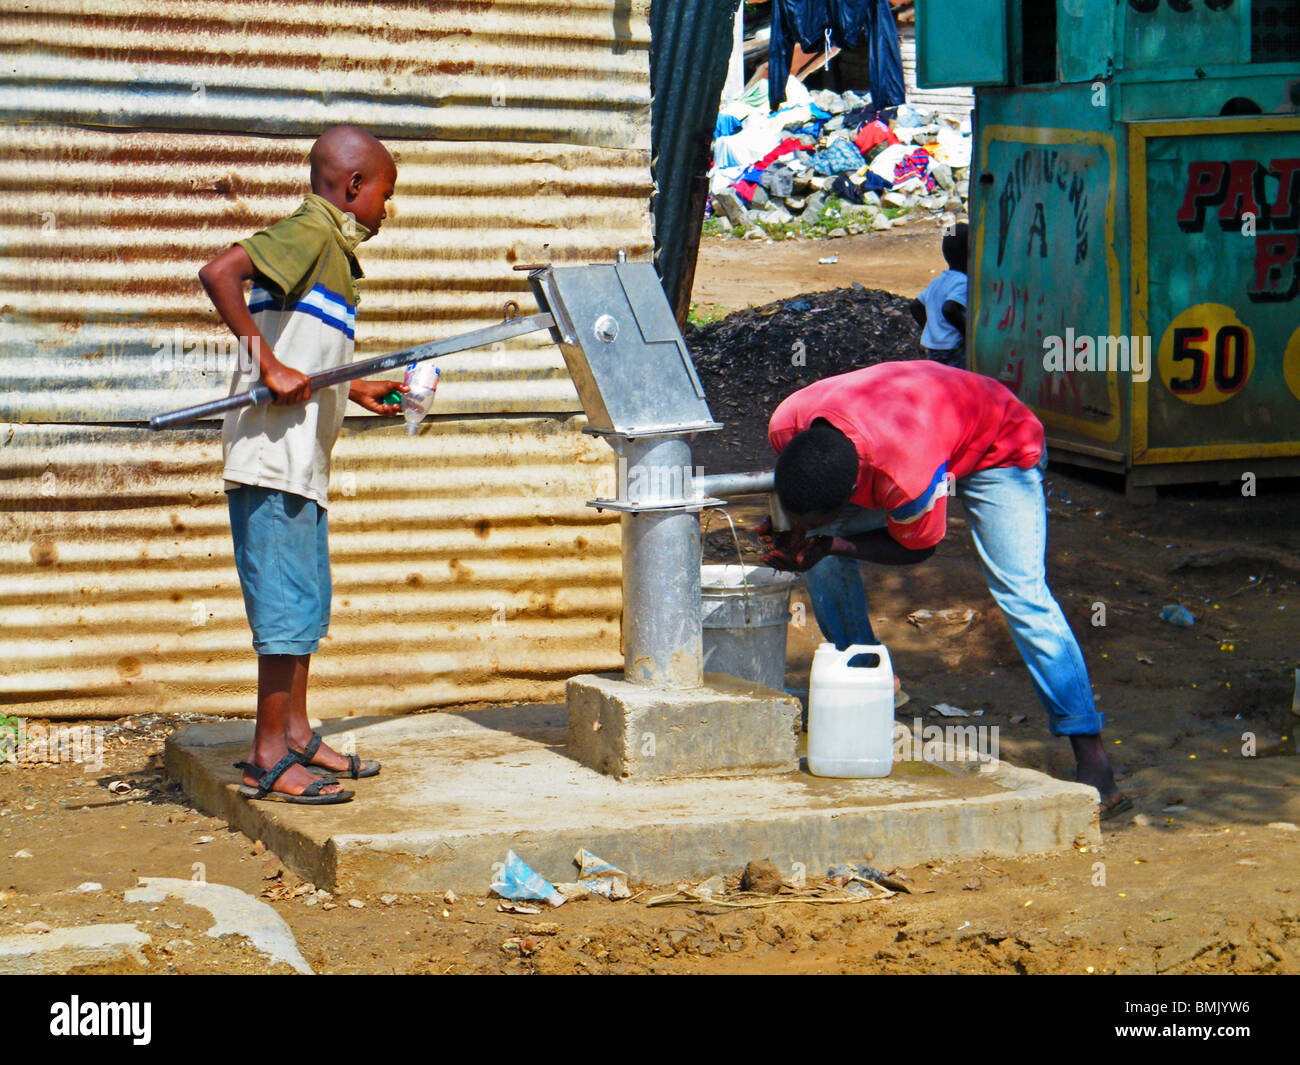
(956,245)
(816,474)
(355,173)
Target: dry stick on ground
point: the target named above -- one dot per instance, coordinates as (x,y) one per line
(1247,587)
(744,900)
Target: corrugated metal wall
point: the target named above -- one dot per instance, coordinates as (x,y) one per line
(465,567)
(141,140)
(104,233)
(458,70)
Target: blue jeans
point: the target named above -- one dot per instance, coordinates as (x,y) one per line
(1008,521)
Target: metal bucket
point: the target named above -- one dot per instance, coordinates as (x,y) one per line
(746,614)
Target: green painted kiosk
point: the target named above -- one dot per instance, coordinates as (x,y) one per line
(1135,207)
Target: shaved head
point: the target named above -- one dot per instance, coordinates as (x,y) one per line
(343,151)
(353,171)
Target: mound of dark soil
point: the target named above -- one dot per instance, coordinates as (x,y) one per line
(751,360)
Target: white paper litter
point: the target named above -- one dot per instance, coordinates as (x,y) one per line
(949,711)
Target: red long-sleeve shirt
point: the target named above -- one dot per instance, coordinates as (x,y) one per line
(915,425)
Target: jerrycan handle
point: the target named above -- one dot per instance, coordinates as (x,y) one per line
(862,658)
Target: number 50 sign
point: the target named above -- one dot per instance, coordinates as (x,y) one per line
(1206,355)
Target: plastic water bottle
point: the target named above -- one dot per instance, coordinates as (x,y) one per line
(422,384)
(851,712)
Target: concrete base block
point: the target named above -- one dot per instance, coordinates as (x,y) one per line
(729,727)
(459,789)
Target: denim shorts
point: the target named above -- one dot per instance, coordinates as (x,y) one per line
(283,557)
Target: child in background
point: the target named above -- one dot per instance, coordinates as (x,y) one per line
(298,321)
(940,310)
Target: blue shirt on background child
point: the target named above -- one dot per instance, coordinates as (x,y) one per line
(939,334)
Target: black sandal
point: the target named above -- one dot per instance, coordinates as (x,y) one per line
(1117,804)
(357,768)
(266,779)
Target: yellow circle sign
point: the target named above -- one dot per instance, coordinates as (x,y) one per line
(1291,364)
(1206,355)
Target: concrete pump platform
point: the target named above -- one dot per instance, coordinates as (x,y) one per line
(459,789)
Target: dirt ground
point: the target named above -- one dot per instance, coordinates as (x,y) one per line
(1198,878)
(732,273)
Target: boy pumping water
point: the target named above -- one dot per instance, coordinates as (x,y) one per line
(298,320)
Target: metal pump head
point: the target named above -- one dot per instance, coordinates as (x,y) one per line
(623,349)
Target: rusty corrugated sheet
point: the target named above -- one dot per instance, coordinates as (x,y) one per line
(104,233)
(465,567)
(143,138)
(457,70)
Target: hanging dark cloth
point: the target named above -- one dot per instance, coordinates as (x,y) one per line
(885,64)
(850,24)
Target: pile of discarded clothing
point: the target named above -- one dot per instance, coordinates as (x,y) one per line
(783,167)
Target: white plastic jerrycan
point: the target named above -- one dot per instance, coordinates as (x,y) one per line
(851,712)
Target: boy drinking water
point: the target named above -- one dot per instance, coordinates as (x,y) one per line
(298,321)
(867,462)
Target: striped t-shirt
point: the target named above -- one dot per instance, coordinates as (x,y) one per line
(304,301)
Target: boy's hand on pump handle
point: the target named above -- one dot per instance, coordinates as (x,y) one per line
(287,385)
